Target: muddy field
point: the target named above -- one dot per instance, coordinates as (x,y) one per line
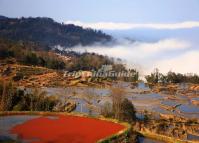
(56,129)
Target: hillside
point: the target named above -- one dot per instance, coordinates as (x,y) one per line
(2,17)
(48,32)
(32,54)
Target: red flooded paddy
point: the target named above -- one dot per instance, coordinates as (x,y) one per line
(66,129)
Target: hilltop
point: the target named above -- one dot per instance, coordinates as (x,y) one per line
(48,32)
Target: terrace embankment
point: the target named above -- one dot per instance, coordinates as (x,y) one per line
(169,130)
(36,76)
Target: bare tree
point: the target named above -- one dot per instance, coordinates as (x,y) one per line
(67,94)
(106,109)
(117,99)
(37,100)
(90,98)
(6,97)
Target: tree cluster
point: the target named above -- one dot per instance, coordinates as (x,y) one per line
(13,99)
(48,32)
(29,54)
(120,108)
(171,77)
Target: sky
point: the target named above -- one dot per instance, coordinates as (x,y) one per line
(165,32)
(139,11)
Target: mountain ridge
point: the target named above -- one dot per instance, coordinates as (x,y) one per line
(49,32)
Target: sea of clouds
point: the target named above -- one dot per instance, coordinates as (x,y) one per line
(168,47)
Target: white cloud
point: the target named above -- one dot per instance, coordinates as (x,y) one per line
(188,62)
(143,54)
(162,45)
(125,26)
(138,50)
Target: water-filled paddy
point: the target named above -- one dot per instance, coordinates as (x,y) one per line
(149,101)
(189,108)
(197,98)
(8,122)
(147,140)
(192,137)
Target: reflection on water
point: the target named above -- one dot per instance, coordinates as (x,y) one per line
(161,110)
(147,140)
(169,103)
(147,101)
(81,106)
(192,137)
(8,122)
(197,98)
(77,90)
(142,85)
(189,108)
(77,94)
(152,96)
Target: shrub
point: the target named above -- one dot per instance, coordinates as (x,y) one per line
(106,110)
(122,110)
(128,111)
(18,76)
(15,99)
